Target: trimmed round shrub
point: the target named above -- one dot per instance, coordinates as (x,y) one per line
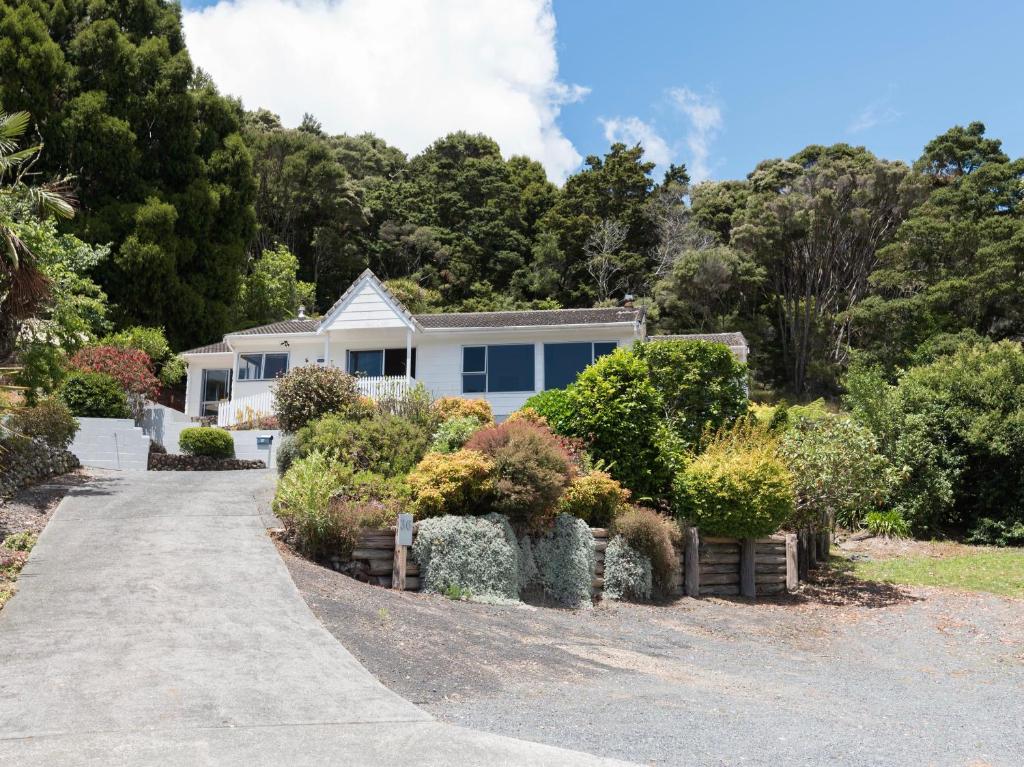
(383,443)
(478,555)
(454,433)
(456,484)
(309,392)
(49,420)
(94,395)
(627,572)
(563,560)
(594,497)
(655,537)
(531,470)
(303,498)
(459,407)
(208,441)
(738,488)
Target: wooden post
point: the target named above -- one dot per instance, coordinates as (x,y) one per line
(812,549)
(824,544)
(792,575)
(691,581)
(748,580)
(403,540)
(803,561)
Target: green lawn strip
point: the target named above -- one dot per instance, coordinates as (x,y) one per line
(998,571)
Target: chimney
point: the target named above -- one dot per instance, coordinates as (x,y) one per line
(627,301)
(302,312)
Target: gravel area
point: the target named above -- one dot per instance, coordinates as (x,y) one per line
(29,509)
(844,673)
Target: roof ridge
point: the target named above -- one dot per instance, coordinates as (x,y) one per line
(521,311)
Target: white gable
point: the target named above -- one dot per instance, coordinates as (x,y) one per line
(367,306)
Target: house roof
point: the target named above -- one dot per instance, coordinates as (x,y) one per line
(217,348)
(729,339)
(303,325)
(530,318)
(368,276)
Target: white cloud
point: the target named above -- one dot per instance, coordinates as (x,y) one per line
(408,70)
(874,114)
(705,119)
(633,130)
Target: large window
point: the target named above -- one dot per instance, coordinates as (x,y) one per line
(216,387)
(563,362)
(507,367)
(380,362)
(262,367)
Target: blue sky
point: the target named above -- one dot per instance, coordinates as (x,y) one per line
(718,85)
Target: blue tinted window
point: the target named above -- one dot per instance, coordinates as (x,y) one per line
(474,359)
(368,363)
(602,348)
(474,383)
(275,365)
(563,362)
(250,367)
(510,368)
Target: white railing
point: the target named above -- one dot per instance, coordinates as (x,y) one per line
(378,387)
(245,408)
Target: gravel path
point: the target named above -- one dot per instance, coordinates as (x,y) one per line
(842,674)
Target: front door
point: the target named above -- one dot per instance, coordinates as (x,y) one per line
(216,388)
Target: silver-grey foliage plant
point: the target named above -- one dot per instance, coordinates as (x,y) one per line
(564,561)
(478,554)
(627,572)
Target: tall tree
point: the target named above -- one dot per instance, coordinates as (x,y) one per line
(158,164)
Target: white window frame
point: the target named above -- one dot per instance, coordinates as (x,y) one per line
(263,365)
(486,372)
(383,360)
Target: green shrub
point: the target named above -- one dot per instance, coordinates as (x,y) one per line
(594,497)
(531,470)
(414,405)
(991,532)
(452,434)
(364,500)
(889,524)
(563,560)
(208,441)
(286,454)
(654,536)
(94,395)
(460,407)
(553,406)
(456,484)
(627,572)
(478,555)
(953,428)
(615,408)
(383,443)
(23,541)
(150,340)
(303,499)
(310,392)
(703,386)
(840,475)
(738,488)
(49,420)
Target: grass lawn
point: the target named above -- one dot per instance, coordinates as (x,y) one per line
(999,571)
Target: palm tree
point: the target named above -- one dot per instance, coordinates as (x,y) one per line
(22,286)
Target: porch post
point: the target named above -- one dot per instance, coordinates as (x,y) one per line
(327,349)
(408,355)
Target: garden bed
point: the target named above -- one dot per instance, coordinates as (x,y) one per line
(178,462)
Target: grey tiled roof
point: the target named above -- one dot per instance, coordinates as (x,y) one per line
(304,325)
(729,339)
(530,318)
(216,348)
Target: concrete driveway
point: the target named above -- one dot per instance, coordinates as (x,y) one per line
(156,624)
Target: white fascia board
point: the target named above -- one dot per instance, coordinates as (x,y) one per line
(534,328)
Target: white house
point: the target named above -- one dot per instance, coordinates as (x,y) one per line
(504,357)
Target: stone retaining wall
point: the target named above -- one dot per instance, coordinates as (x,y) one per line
(24,462)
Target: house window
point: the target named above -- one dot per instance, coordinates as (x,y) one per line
(216,388)
(380,362)
(261,367)
(503,368)
(563,362)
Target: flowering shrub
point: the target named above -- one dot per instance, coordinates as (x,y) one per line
(595,498)
(459,483)
(531,469)
(131,368)
(311,391)
(452,407)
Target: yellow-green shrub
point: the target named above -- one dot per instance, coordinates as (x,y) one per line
(458,407)
(739,487)
(459,483)
(594,497)
(303,497)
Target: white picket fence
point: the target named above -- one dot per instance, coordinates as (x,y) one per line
(249,406)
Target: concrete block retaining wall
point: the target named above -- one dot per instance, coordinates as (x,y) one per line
(111,443)
(165,425)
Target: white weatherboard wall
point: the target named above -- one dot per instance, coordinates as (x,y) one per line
(111,443)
